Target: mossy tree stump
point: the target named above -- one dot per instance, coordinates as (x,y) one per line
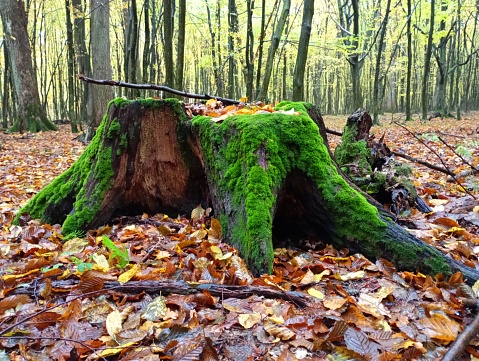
(268,177)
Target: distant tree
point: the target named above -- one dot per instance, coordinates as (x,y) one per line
(298,80)
(100,56)
(377,91)
(168,23)
(131,47)
(72,116)
(275,39)
(31,116)
(249,53)
(409,61)
(232,31)
(180,47)
(427,64)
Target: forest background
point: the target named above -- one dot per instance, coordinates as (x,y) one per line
(386,56)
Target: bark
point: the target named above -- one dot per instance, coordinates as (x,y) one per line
(168,23)
(298,80)
(30,114)
(409,62)
(100,57)
(232,31)
(268,177)
(71,64)
(278,31)
(427,64)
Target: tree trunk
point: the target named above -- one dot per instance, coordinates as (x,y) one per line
(427,64)
(269,178)
(100,56)
(298,79)
(30,114)
(168,23)
(278,31)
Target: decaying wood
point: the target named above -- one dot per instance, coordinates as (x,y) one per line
(462,341)
(162,88)
(405,156)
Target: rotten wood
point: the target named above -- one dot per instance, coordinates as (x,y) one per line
(163,88)
(405,156)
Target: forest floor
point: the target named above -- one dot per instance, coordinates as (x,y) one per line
(141,288)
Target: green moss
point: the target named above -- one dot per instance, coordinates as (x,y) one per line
(403,170)
(289,142)
(114,128)
(72,183)
(354,155)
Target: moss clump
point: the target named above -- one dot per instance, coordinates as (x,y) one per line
(113,129)
(353,155)
(233,152)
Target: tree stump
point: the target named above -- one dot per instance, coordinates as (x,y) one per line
(268,177)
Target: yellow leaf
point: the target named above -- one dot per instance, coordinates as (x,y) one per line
(155,310)
(197,213)
(475,288)
(279,320)
(216,252)
(101,262)
(111,351)
(248,320)
(199,234)
(128,275)
(12,277)
(319,277)
(211,103)
(440,327)
(243,99)
(316,293)
(113,323)
(351,276)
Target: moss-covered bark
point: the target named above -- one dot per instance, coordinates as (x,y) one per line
(269,178)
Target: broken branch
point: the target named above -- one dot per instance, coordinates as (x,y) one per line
(157,87)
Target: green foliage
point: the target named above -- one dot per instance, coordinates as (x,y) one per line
(430,137)
(120,254)
(81,266)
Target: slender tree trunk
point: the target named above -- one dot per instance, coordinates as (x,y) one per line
(409,62)
(249,54)
(377,70)
(6,88)
(260,47)
(30,114)
(427,64)
(101,62)
(82,61)
(216,70)
(168,24)
(278,31)
(131,50)
(146,48)
(233,30)
(71,66)
(180,47)
(298,79)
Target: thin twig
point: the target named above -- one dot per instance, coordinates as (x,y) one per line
(465,161)
(157,87)
(406,156)
(437,155)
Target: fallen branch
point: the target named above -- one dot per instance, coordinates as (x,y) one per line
(424,163)
(437,155)
(184,288)
(163,88)
(406,156)
(462,340)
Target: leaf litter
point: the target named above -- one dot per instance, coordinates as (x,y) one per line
(61,299)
